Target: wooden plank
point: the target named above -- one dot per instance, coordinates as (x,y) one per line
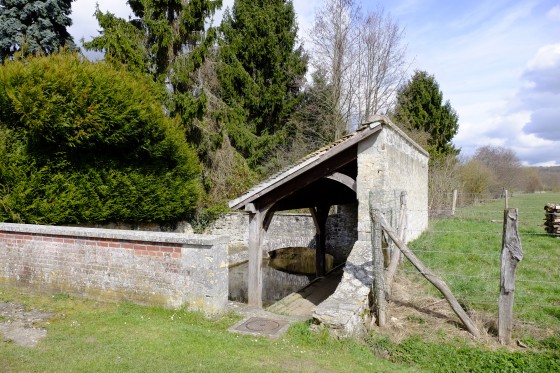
(320,215)
(302,180)
(512,253)
(454,202)
(397,254)
(343,179)
(435,280)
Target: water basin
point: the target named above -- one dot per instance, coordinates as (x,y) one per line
(286,271)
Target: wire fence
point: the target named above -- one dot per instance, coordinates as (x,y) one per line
(463,246)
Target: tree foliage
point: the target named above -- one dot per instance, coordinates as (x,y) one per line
(504,164)
(261,72)
(477,180)
(34,27)
(168,41)
(420,107)
(363,58)
(82,142)
(311,125)
(123,42)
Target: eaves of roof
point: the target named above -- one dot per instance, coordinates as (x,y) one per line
(308,162)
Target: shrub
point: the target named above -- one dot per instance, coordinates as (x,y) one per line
(81,142)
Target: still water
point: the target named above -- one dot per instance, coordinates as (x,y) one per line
(286,271)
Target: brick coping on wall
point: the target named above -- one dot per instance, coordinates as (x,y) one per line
(160,268)
(114,234)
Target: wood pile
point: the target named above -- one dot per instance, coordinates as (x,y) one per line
(552,219)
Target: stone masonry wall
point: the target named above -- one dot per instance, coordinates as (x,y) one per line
(388,163)
(166,269)
(290,230)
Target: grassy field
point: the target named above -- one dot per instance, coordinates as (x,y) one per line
(88,336)
(465,251)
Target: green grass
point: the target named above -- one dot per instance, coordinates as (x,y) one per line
(465,251)
(87,336)
(459,356)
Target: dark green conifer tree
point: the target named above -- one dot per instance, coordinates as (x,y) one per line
(420,107)
(167,40)
(261,73)
(34,27)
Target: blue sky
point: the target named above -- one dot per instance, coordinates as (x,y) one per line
(498,62)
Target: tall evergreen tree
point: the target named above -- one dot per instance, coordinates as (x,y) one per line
(261,73)
(420,107)
(167,40)
(34,27)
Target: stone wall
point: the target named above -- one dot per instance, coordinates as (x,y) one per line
(388,163)
(290,230)
(167,269)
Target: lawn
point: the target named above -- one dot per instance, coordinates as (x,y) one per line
(88,336)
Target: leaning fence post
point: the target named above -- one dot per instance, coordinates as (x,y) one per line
(512,253)
(378,264)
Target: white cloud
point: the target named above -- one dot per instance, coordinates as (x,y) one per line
(542,95)
(545,123)
(546,57)
(84,24)
(554,13)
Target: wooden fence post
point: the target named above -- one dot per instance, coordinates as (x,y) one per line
(403,221)
(454,203)
(506,196)
(435,280)
(378,264)
(512,253)
(396,255)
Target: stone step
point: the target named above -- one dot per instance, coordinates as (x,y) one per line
(303,302)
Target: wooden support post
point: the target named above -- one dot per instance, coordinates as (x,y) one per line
(454,203)
(512,253)
(378,264)
(403,220)
(435,280)
(507,199)
(320,216)
(255,281)
(396,255)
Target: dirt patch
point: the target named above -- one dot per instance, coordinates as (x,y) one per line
(17,324)
(412,311)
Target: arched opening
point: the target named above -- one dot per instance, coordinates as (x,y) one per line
(285,271)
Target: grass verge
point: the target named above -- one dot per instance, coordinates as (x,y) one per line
(88,336)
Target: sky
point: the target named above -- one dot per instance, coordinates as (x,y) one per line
(497,62)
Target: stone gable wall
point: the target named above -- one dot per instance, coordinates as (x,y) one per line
(388,163)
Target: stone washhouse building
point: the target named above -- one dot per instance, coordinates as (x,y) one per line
(377,158)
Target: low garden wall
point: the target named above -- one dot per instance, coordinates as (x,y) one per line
(168,269)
